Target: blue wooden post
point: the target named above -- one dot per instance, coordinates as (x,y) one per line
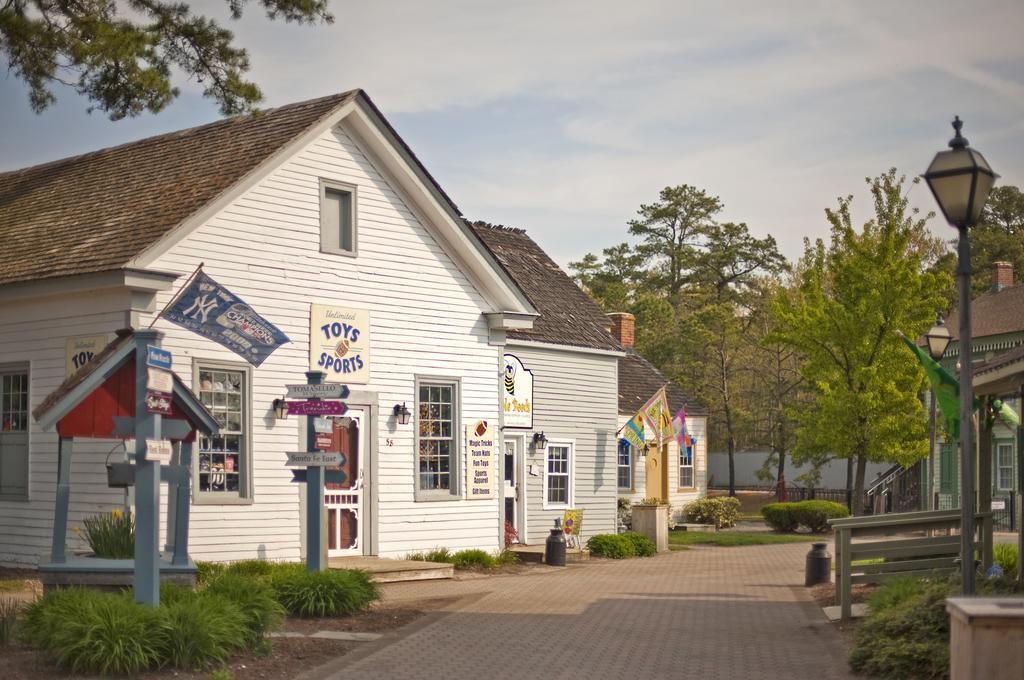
(181,514)
(58,548)
(146,580)
(315,558)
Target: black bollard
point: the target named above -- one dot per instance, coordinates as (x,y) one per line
(819,565)
(554,547)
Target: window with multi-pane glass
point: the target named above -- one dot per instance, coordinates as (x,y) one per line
(625,465)
(13,432)
(1004,466)
(686,467)
(557,478)
(222,457)
(436,437)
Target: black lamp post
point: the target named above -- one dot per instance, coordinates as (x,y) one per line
(960,180)
(938,338)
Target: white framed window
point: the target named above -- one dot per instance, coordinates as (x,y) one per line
(437,438)
(14,382)
(337,218)
(222,469)
(558,473)
(686,479)
(1004,466)
(625,465)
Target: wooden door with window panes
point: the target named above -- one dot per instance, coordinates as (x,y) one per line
(343,499)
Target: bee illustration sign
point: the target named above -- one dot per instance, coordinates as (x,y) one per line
(517,388)
(339,342)
(480,459)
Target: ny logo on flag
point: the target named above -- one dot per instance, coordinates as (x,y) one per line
(201,306)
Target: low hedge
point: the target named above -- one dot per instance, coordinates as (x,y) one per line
(813,515)
(621,546)
(723,512)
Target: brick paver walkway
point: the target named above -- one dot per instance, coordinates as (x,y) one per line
(736,613)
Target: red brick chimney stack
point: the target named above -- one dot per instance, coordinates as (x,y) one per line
(1002,276)
(624,328)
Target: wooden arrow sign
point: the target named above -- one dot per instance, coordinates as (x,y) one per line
(316,408)
(319,391)
(314,458)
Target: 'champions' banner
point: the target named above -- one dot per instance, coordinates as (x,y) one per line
(211,310)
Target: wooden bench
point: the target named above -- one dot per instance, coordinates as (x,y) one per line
(926,554)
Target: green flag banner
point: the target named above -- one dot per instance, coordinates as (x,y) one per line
(944,386)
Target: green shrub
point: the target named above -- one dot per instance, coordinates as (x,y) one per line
(894,593)
(222,674)
(1007,556)
(723,512)
(436,555)
(464,559)
(779,516)
(9,608)
(815,514)
(906,641)
(615,546)
(255,598)
(92,632)
(506,557)
(111,535)
(324,593)
(202,630)
(208,570)
(642,546)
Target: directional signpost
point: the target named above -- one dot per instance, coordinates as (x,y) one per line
(310,463)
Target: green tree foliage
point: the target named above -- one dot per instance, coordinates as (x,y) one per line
(690,282)
(852,297)
(120,54)
(998,236)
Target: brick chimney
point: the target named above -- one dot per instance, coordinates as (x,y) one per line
(1002,276)
(623,328)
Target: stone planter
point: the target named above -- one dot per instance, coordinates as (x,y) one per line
(652,522)
(986,637)
(108,575)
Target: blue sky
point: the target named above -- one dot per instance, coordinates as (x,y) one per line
(564,117)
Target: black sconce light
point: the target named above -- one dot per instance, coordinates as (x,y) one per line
(402,413)
(280,409)
(540,442)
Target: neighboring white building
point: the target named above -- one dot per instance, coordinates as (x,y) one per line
(309,211)
(747,463)
(572,363)
(663,472)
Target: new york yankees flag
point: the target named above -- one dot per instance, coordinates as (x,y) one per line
(211,310)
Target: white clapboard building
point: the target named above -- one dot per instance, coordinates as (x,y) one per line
(320,218)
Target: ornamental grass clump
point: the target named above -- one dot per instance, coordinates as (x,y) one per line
(111,535)
(202,630)
(9,608)
(255,598)
(324,593)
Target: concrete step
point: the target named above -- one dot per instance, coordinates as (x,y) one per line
(385,570)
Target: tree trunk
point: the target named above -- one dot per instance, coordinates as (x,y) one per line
(731,446)
(858,487)
(781,479)
(849,483)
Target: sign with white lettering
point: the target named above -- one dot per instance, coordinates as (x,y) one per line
(314,458)
(999,504)
(480,446)
(323,425)
(157,357)
(324,440)
(316,408)
(339,342)
(80,350)
(158,402)
(517,389)
(159,380)
(159,450)
(321,391)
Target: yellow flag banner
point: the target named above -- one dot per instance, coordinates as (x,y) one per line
(657,416)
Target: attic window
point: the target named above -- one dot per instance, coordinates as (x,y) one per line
(337,218)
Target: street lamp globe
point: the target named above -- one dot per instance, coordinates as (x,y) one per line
(960,180)
(938,338)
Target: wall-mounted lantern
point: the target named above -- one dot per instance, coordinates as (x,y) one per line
(401,413)
(280,409)
(540,442)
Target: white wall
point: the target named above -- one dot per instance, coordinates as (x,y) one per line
(697,426)
(574,400)
(747,463)
(37,334)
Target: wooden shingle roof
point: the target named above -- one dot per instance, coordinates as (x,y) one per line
(97,211)
(639,380)
(567,315)
(993,313)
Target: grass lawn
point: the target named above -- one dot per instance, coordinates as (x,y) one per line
(678,540)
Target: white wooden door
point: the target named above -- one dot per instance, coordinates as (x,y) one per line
(513,497)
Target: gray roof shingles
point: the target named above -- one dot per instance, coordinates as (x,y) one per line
(639,380)
(96,212)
